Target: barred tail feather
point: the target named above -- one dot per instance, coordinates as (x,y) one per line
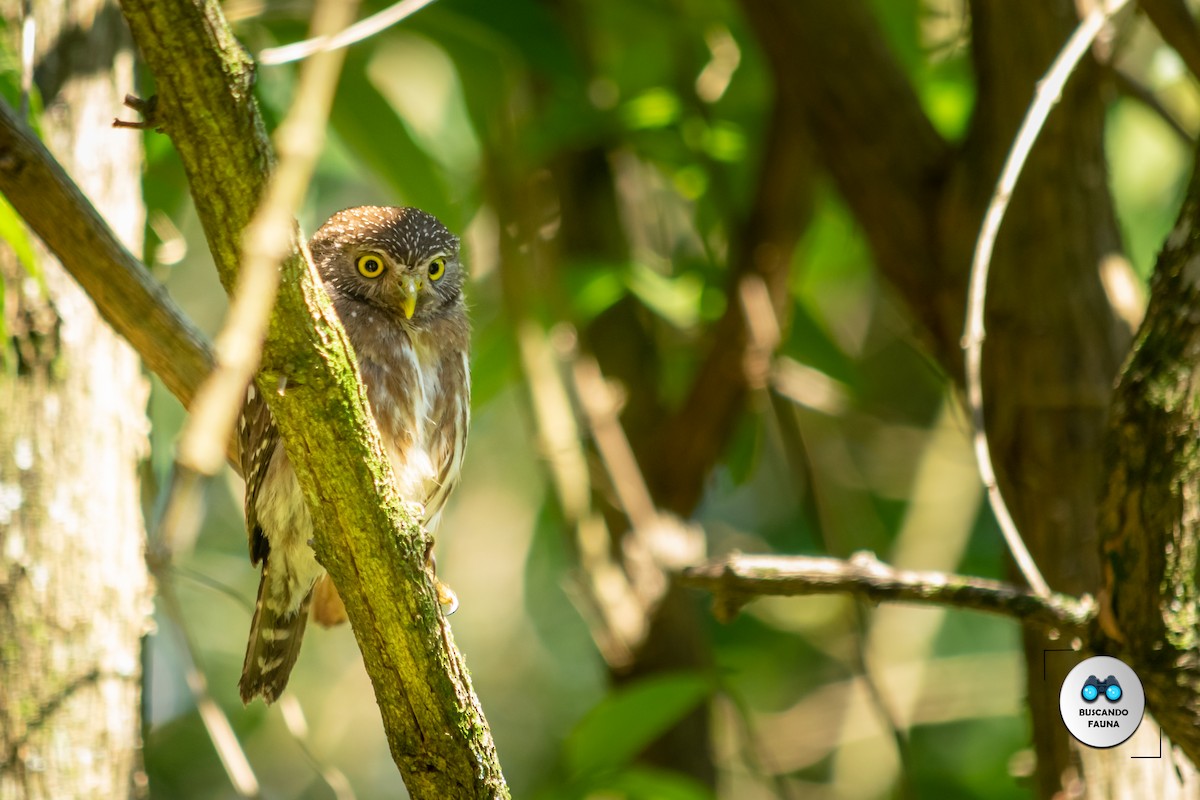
(273,647)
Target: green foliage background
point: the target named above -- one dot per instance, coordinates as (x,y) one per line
(676,94)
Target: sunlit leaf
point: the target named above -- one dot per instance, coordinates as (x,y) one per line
(654,108)
(593,288)
(675,299)
(630,718)
(725,142)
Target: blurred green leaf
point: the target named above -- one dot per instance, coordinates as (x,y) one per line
(630,718)
(528,27)
(1148,169)
(948,97)
(556,622)
(653,108)
(901,25)
(593,287)
(675,299)
(745,448)
(10,77)
(16,235)
(644,783)
(373,131)
(653,784)
(12,228)
(493,360)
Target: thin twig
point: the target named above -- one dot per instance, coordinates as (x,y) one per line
(737,579)
(600,412)
(880,700)
(216,723)
(364,29)
(755,755)
(657,542)
(297,726)
(177,518)
(602,592)
(1048,92)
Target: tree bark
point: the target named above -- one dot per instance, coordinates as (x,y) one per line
(74,592)
(1150,513)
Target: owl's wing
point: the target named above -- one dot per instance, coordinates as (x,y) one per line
(257,438)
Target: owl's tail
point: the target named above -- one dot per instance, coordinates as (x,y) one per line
(273,647)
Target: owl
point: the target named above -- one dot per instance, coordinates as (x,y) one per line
(396,283)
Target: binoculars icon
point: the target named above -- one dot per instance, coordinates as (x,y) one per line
(1093,688)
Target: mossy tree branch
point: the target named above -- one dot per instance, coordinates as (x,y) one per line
(364,536)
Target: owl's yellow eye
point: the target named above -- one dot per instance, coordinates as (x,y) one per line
(370,265)
(437,268)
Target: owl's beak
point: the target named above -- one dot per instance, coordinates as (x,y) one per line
(410,285)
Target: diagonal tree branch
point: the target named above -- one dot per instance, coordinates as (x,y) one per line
(364,537)
(124,292)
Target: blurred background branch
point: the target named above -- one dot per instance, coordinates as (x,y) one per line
(737,579)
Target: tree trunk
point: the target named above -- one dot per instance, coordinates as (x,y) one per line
(74,593)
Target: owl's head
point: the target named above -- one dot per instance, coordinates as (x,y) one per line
(402,261)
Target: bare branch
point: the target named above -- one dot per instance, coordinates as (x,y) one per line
(737,579)
(1048,93)
(297,725)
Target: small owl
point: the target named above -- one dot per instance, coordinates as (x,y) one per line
(396,283)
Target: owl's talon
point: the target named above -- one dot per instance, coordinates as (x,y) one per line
(447,599)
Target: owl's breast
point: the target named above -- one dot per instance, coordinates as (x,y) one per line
(416,401)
